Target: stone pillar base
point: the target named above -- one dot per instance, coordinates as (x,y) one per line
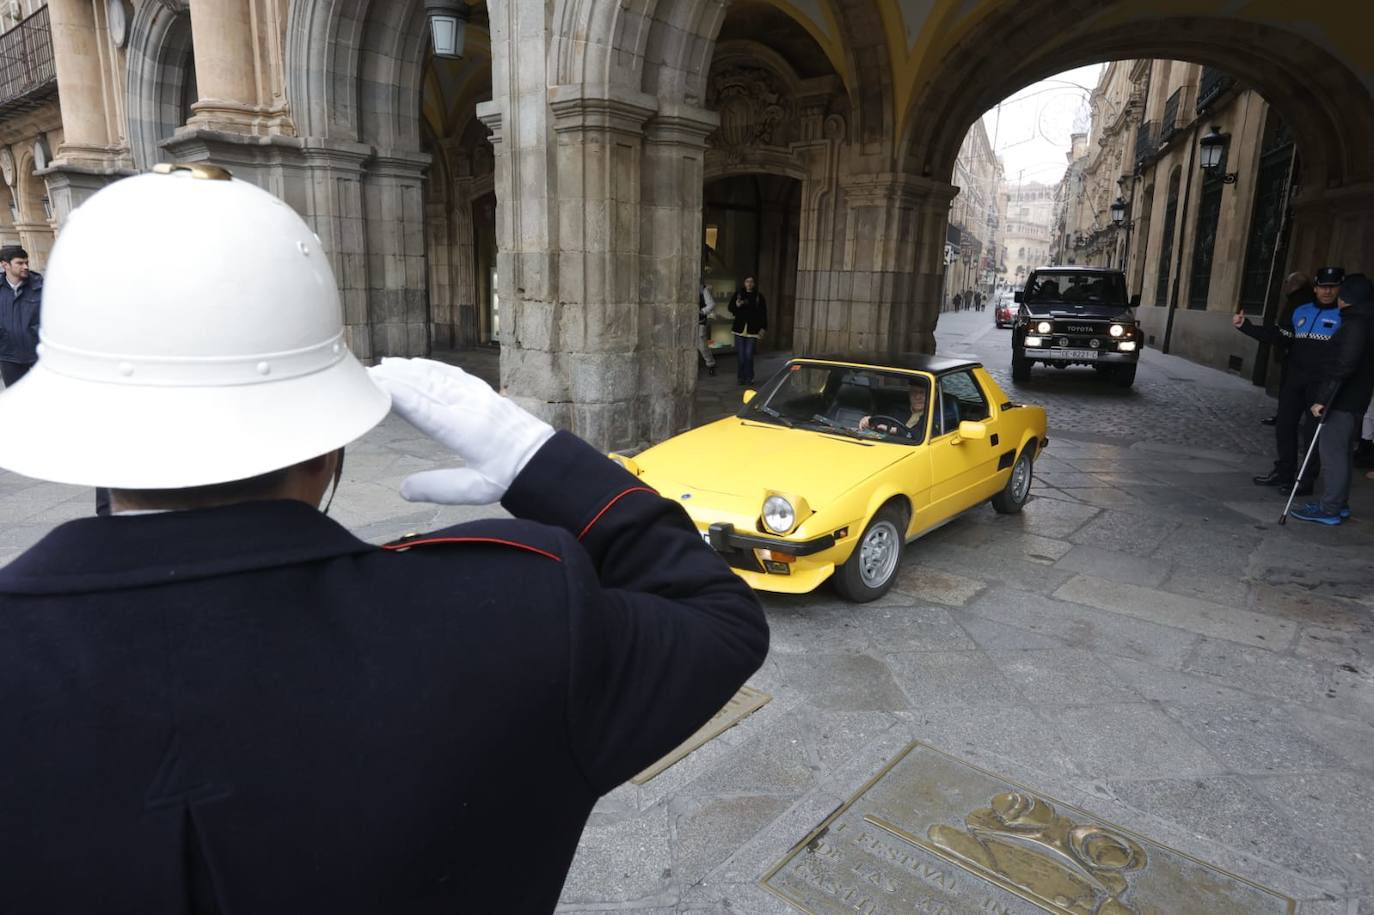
(71,184)
(233,117)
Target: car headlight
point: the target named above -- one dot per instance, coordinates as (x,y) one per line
(778,514)
(1127,346)
(1044,327)
(1034,341)
(1117,330)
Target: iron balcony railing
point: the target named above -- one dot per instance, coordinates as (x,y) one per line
(1146,142)
(1168,125)
(27,75)
(1214,82)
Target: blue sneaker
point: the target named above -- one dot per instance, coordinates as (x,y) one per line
(1315,514)
(1316,507)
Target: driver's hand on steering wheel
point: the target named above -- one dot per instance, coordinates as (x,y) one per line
(863,424)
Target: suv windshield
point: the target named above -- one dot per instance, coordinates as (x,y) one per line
(846,400)
(1076,287)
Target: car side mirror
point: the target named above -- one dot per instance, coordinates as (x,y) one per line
(1016,297)
(749,395)
(971,430)
(1135,300)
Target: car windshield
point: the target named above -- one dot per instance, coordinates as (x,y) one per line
(1048,287)
(846,400)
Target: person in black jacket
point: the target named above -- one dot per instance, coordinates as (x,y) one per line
(1307,334)
(751,320)
(21,305)
(218,700)
(1343,396)
(1295,292)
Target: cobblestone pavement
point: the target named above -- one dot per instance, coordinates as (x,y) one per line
(1143,642)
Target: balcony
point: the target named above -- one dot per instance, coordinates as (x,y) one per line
(1212,86)
(1146,142)
(27,75)
(1168,125)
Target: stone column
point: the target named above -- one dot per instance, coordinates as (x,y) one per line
(238,67)
(884,295)
(397,282)
(674,148)
(76,58)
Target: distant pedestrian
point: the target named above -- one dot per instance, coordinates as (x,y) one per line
(21,301)
(1343,396)
(751,320)
(1308,336)
(706,304)
(958,300)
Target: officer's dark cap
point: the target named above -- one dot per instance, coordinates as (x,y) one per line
(1329,276)
(1357,289)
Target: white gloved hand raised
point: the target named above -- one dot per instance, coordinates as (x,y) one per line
(494,437)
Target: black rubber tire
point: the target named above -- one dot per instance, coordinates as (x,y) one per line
(1020,367)
(1014,495)
(1124,376)
(849,579)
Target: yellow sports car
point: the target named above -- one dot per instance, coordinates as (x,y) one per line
(835,463)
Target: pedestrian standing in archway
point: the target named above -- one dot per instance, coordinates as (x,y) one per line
(751,320)
(706,304)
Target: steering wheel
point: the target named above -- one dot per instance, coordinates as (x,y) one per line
(896,425)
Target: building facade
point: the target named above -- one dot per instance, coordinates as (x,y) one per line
(1028,234)
(1197,244)
(973,249)
(557,188)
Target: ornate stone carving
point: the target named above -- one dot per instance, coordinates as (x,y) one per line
(754,109)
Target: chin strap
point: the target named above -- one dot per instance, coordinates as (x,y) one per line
(338,475)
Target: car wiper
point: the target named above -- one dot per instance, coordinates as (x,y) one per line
(769,411)
(838,427)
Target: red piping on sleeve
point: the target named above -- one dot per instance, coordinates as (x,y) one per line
(592,523)
(396,547)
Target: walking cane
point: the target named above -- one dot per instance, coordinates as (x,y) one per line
(1302,471)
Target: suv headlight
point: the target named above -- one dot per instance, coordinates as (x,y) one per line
(1043,327)
(1117,330)
(778,514)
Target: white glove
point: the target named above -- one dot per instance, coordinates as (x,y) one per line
(494,437)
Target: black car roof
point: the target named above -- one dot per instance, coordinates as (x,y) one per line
(915,362)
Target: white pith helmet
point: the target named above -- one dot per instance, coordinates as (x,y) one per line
(191,334)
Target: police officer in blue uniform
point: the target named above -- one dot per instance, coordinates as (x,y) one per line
(1306,334)
(218,700)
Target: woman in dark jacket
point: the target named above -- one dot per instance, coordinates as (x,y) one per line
(751,320)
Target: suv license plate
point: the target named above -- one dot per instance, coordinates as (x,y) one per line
(1088,354)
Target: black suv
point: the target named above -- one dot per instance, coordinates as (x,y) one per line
(1076,316)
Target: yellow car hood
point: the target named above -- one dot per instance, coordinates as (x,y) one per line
(743,459)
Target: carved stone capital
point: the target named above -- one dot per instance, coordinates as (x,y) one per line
(578,109)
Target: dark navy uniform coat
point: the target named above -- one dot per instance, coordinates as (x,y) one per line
(248,710)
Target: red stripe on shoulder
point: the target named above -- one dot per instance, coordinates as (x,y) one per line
(401,547)
(592,523)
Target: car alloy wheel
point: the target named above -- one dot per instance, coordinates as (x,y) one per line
(878,554)
(1021,478)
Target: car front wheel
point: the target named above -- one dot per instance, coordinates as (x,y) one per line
(1020,367)
(871,569)
(1124,375)
(1014,495)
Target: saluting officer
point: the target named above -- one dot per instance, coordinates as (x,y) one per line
(218,700)
(1306,332)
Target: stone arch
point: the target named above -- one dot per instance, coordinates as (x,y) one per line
(1293,74)
(161,70)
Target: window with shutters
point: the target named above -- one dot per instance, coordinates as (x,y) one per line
(1205,237)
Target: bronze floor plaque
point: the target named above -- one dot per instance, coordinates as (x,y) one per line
(933,835)
(741,705)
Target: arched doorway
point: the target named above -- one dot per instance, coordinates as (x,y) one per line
(751,227)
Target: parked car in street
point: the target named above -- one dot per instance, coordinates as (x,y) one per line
(836,463)
(1002,312)
(1076,316)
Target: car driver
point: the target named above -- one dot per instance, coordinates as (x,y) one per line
(913,423)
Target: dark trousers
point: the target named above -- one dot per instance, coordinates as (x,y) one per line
(10,372)
(1293,427)
(744,350)
(1339,434)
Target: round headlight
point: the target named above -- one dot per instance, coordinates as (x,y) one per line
(778,514)
(1043,327)
(1117,330)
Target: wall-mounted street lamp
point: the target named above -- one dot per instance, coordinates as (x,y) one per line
(1212,148)
(1119,210)
(448,20)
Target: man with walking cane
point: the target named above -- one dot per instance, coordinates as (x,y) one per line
(1343,395)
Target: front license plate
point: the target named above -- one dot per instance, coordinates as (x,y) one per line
(1088,354)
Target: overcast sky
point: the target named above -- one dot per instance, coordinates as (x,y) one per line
(1030,130)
